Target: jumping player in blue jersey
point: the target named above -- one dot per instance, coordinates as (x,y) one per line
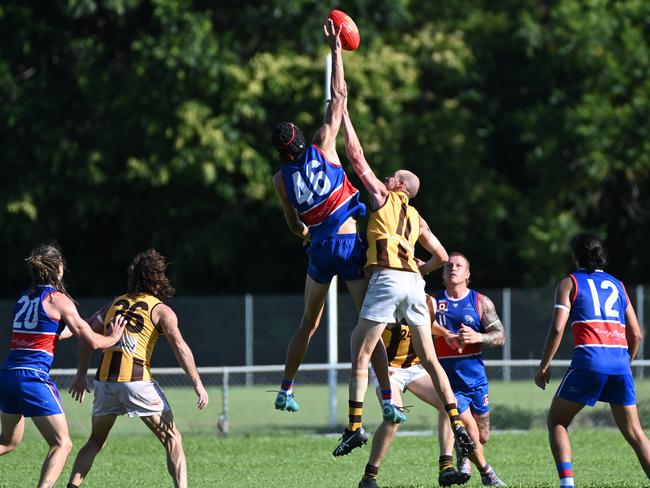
(43,314)
(465,322)
(606,338)
(321,206)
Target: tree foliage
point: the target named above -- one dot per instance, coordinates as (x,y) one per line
(129,124)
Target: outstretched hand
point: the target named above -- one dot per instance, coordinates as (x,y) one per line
(332,34)
(79,387)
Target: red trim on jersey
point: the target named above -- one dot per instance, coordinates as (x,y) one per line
(575,284)
(324,209)
(336,165)
(444,350)
(40,342)
(598,333)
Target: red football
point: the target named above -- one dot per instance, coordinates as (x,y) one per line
(350,38)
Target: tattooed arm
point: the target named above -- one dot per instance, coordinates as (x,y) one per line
(494,332)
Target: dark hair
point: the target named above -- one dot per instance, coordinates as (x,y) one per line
(287,138)
(43,264)
(588,251)
(147,275)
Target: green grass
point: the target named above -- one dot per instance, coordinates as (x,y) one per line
(268,448)
(602,459)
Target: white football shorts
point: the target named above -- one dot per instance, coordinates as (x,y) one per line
(403,376)
(395,295)
(134,398)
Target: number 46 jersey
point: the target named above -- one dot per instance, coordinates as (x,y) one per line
(597,320)
(321,193)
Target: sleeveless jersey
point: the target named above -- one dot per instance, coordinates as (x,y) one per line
(35,334)
(597,319)
(464,369)
(130,358)
(399,347)
(392,232)
(321,193)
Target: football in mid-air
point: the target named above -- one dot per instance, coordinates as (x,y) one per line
(350,37)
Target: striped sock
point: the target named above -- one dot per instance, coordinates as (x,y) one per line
(371,471)
(354,416)
(565,472)
(386,397)
(286,386)
(454,417)
(445,462)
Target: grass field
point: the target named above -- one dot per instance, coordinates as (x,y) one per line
(276,449)
(602,459)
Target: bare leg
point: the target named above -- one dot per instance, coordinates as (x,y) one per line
(165,429)
(379,360)
(445,435)
(483,424)
(560,416)
(54,429)
(384,434)
(423,389)
(478,457)
(423,345)
(314,299)
(13,427)
(101,426)
(363,342)
(627,420)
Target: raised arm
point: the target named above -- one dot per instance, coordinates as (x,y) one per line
(376,188)
(561,311)
(165,320)
(290,214)
(79,327)
(431,243)
(494,334)
(325,138)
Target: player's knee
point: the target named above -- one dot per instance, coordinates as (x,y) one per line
(65,444)
(9,444)
(484,437)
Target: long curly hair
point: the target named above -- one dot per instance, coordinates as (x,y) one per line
(43,264)
(147,275)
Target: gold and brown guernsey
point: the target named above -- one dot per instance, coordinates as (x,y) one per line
(399,347)
(392,233)
(130,358)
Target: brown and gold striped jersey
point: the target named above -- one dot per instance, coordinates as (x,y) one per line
(399,348)
(130,358)
(392,232)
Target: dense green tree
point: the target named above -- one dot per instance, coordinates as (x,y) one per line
(126,124)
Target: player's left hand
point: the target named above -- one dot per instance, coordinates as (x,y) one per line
(423,267)
(79,387)
(467,335)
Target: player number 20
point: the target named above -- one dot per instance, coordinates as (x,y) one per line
(27,316)
(318,183)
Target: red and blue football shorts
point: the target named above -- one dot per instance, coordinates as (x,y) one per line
(588,387)
(28,392)
(341,254)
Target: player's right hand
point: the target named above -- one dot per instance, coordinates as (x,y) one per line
(203,396)
(453,340)
(332,35)
(542,377)
(79,387)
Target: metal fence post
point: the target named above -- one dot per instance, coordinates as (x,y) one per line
(222,422)
(248,326)
(332,348)
(640,305)
(507,356)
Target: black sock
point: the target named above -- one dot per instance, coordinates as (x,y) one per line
(371,471)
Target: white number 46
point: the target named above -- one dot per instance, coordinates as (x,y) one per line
(318,183)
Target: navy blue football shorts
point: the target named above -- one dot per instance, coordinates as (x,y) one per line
(342,254)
